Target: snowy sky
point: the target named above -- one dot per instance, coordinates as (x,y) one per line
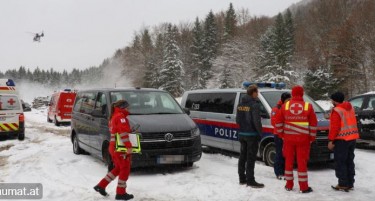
(81,33)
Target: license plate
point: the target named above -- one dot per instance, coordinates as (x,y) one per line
(331,156)
(3,118)
(170,159)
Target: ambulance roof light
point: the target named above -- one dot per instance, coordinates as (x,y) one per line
(279,85)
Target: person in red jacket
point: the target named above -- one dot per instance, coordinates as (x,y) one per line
(343,133)
(119,125)
(279,164)
(296,124)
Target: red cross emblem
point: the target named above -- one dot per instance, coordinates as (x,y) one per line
(296,108)
(11,101)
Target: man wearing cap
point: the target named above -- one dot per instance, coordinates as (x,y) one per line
(296,124)
(343,133)
(279,164)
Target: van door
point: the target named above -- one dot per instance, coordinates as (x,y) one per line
(215,118)
(100,130)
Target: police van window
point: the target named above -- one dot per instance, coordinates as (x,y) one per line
(211,102)
(357,103)
(85,102)
(263,111)
(9,103)
(371,103)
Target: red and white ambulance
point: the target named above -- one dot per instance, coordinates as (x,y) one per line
(60,107)
(12,119)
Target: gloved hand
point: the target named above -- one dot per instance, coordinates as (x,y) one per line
(128,146)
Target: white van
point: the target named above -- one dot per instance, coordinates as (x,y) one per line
(12,119)
(214,111)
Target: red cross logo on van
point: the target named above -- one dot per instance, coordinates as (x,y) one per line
(11,101)
(296,108)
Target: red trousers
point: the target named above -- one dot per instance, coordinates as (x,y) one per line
(121,169)
(302,150)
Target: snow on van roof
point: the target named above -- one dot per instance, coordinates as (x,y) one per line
(234,90)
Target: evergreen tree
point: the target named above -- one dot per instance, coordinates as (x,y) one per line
(172,69)
(289,35)
(320,83)
(210,44)
(225,79)
(197,50)
(149,63)
(230,22)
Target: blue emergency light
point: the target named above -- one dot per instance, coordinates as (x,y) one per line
(10,83)
(279,85)
(67,90)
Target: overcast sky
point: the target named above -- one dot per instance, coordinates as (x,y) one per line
(81,33)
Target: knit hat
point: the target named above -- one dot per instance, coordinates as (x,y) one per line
(297,91)
(285,96)
(338,97)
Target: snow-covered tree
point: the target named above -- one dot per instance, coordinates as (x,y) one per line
(210,44)
(197,51)
(230,22)
(172,68)
(320,83)
(226,79)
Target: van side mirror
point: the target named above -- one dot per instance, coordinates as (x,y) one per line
(187,111)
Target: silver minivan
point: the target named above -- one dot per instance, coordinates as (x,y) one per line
(168,135)
(214,111)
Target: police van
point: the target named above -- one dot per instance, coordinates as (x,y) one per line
(214,111)
(12,119)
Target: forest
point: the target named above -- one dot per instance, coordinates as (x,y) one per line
(323,45)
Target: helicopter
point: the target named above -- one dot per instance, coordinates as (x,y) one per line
(37,36)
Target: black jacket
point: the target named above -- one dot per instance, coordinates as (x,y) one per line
(248,115)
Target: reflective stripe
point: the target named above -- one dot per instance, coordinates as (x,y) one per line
(110,175)
(296,129)
(121,181)
(313,134)
(12,126)
(288,172)
(287,105)
(113,140)
(289,178)
(279,125)
(347,133)
(291,132)
(279,130)
(306,106)
(107,178)
(313,128)
(302,179)
(121,185)
(123,134)
(300,123)
(302,173)
(4,127)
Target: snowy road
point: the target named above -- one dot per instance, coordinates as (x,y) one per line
(46,157)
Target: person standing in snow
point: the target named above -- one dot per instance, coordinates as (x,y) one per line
(343,133)
(118,125)
(249,120)
(296,124)
(279,164)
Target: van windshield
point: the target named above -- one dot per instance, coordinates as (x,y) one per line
(9,103)
(272,97)
(148,102)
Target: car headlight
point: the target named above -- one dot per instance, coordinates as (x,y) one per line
(195,132)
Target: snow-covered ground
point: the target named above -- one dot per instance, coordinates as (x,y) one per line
(46,157)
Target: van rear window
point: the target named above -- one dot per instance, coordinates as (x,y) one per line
(9,103)
(211,102)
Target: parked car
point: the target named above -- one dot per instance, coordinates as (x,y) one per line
(40,102)
(168,135)
(60,107)
(364,106)
(214,111)
(26,106)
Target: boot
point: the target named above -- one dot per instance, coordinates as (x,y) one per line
(124,196)
(308,190)
(243,181)
(288,189)
(101,190)
(255,184)
(341,188)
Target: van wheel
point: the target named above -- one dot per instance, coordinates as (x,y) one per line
(21,136)
(48,119)
(76,149)
(269,154)
(57,123)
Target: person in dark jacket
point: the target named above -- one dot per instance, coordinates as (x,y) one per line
(279,165)
(249,121)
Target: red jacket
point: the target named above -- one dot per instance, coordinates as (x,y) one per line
(337,125)
(119,124)
(296,121)
(274,112)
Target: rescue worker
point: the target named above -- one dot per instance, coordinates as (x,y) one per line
(118,124)
(249,121)
(296,124)
(279,164)
(343,133)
